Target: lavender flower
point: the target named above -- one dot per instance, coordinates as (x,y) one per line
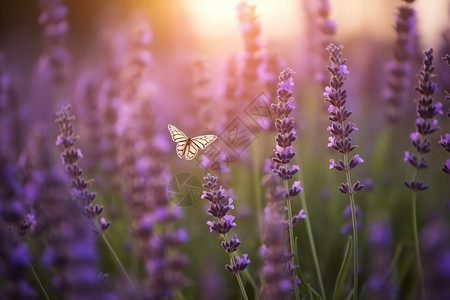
(283,154)
(339,129)
(219,206)
(426,124)
(400,68)
(70,158)
(275,251)
(340,140)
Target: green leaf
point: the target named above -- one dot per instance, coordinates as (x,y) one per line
(343,271)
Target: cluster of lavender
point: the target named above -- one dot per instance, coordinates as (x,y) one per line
(70,157)
(426,123)
(445,141)
(14,254)
(219,207)
(284,151)
(152,215)
(400,67)
(275,252)
(339,130)
(54,20)
(146,176)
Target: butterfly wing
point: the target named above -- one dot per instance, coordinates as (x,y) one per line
(197,143)
(191,150)
(181,148)
(177,135)
(203,141)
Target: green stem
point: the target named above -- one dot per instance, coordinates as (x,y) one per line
(415,230)
(355,247)
(416,243)
(291,240)
(39,282)
(355,231)
(312,245)
(252,282)
(113,253)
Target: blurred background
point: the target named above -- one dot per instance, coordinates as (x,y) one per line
(191,68)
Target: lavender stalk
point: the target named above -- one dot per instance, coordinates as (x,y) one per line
(284,153)
(341,141)
(219,207)
(425,124)
(79,185)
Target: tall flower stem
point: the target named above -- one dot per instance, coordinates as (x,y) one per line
(355,233)
(291,239)
(312,245)
(416,243)
(426,124)
(41,286)
(114,255)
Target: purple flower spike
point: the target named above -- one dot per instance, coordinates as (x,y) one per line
(219,207)
(70,156)
(340,129)
(427,109)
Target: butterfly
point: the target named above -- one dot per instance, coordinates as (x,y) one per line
(188,147)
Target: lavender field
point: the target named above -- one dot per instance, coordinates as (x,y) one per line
(218,149)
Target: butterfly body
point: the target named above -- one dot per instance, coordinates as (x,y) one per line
(188,147)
